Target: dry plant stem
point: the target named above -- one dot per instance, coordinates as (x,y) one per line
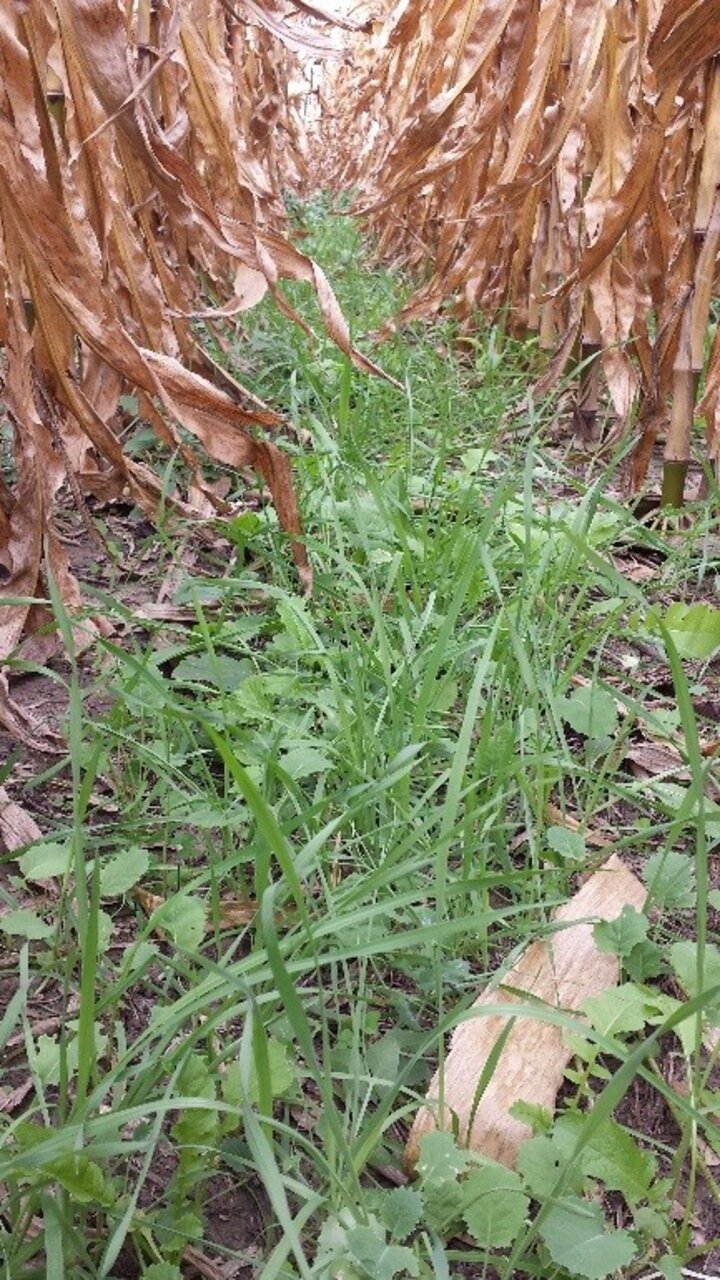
(677,449)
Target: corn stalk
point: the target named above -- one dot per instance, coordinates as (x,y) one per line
(140,152)
(556,162)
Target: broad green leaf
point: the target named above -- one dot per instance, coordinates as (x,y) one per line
(183,918)
(23,923)
(162,1271)
(123,871)
(259,696)
(443,1204)
(684,958)
(495,1206)
(576,1235)
(568,844)
(43,861)
(694,629)
(105,930)
(673,797)
(540,1162)
(47,1060)
(83,1179)
(304,761)
(590,711)
(651,1222)
(620,935)
(617,1011)
(610,1155)
(670,879)
(440,1159)
(402,1210)
(283,1075)
(646,960)
(383,1057)
(380,1260)
(671,1267)
(174,1227)
(48,1052)
(217,670)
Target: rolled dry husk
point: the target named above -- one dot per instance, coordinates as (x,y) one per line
(563,970)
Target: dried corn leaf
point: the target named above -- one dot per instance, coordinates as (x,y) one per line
(17,827)
(142,152)
(552,163)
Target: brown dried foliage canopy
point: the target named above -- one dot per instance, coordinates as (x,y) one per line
(140,147)
(558,160)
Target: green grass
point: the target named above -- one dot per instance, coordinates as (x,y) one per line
(373,767)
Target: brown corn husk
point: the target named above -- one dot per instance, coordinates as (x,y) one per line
(563,971)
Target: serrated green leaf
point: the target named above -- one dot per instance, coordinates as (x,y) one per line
(540,1163)
(495,1206)
(83,1179)
(568,844)
(23,923)
(615,1012)
(174,1227)
(651,1222)
(694,629)
(443,1204)
(380,1260)
(670,879)
(122,872)
(609,1155)
(576,1236)
(43,861)
(402,1210)
(590,711)
(531,1113)
(440,1159)
(105,930)
(620,935)
(646,960)
(670,1267)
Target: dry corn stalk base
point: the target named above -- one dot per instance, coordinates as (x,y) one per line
(141,148)
(562,971)
(557,162)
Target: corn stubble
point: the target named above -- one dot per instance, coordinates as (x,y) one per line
(558,162)
(140,153)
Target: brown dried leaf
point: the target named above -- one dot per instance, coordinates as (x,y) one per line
(17,827)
